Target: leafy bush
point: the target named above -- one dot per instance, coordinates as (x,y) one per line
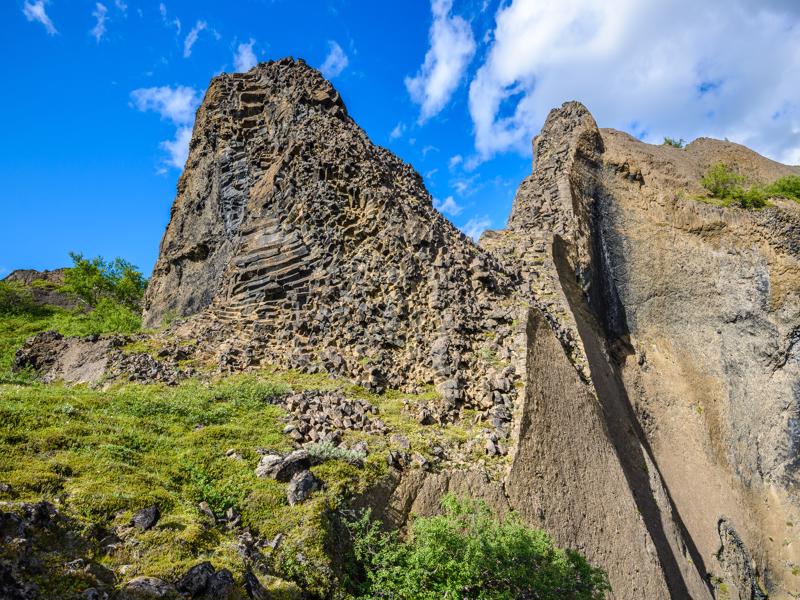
(727,185)
(95,279)
(466,553)
(16,300)
(107,317)
(668,141)
(786,187)
(752,197)
(721,181)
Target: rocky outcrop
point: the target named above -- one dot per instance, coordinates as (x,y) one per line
(44,288)
(682,318)
(632,349)
(94,359)
(305,245)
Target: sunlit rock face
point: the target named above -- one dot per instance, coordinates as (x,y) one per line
(630,348)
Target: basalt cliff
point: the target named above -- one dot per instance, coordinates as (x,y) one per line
(628,354)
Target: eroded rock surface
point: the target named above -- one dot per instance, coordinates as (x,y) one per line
(308,246)
(682,317)
(632,349)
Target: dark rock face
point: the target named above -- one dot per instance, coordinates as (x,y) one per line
(40,352)
(203,582)
(308,246)
(738,565)
(196,579)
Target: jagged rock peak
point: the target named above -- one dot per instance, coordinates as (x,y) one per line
(567,132)
(294,240)
(291,80)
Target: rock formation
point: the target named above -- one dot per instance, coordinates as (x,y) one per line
(686,316)
(320,249)
(633,350)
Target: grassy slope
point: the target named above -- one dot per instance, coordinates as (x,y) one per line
(103,454)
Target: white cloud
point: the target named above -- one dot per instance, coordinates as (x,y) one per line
(448,206)
(176,22)
(178,149)
(452,47)
(723,68)
(476,226)
(427,149)
(176,105)
(99,29)
(192,36)
(121,6)
(397,132)
(245,59)
(455,161)
(34,11)
(464,185)
(335,62)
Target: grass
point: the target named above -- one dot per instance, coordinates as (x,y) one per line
(16,328)
(105,454)
(102,454)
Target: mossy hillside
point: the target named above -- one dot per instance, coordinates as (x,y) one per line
(100,455)
(21,319)
(111,292)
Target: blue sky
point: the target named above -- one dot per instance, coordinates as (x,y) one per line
(98,96)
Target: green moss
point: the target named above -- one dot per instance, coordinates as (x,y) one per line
(104,454)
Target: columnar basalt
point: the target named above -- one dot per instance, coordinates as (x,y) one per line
(633,350)
(305,245)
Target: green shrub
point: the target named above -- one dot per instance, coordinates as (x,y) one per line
(108,316)
(466,553)
(725,184)
(16,300)
(753,197)
(668,141)
(95,279)
(721,181)
(786,187)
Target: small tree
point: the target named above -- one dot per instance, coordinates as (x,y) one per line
(675,143)
(95,279)
(722,182)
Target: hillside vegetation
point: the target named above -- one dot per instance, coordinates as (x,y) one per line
(101,455)
(728,187)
